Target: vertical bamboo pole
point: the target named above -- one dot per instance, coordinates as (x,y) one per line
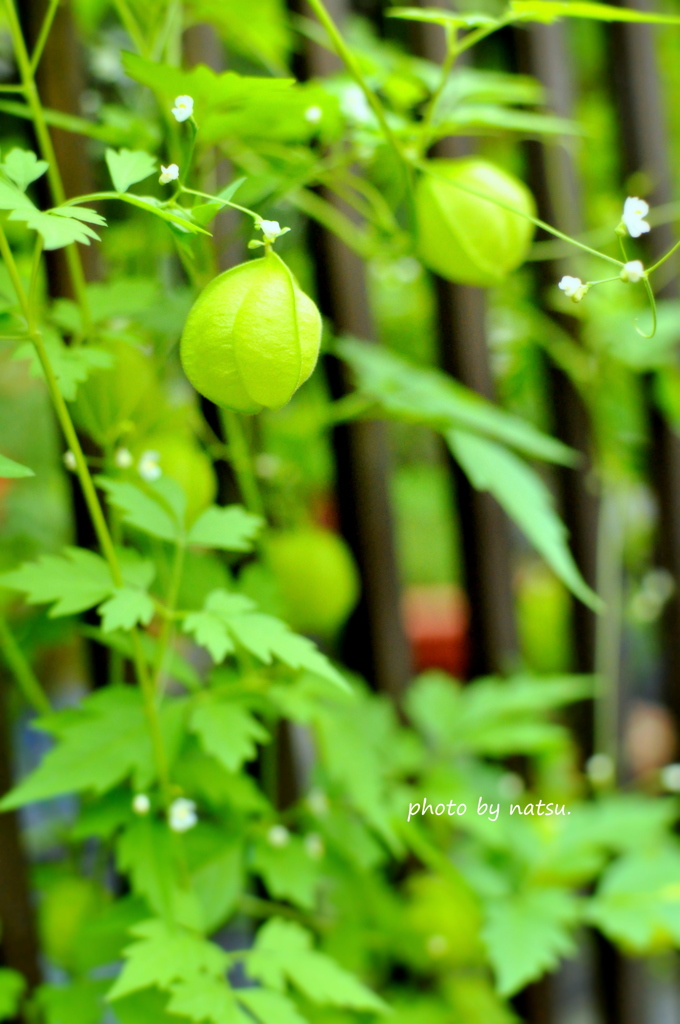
(637,93)
(18,938)
(375,643)
(484,528)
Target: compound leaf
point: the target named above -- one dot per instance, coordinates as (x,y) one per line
(164,954)
(283,952)
(75,580)
(228,731)
(527,935)
(23,167)
(231,528)
(127,167)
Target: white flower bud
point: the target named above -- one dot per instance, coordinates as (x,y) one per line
(633,272)
(141,803)
(278,836)
(271,229)
(570,285)
(123,458)
(168,174)
(148,466)
(313,114)
(183,108)
(182,815)
(70,460)
(634,212)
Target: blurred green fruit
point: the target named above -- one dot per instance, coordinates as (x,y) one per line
(316,577)
(184,462)
(463,237)
(543,613)
(108,399)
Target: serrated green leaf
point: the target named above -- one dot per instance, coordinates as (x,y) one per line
(410,393)
(232,617)
(58,227)
(269,1007)
(493,717)
(230,529)
(71,365)
(551,10)
(164,955)
(140,508)
(638,900)
(228,731)
(11,470)
(526,499)
(288,871)
(206,999)
(146,852)
(283,952)
(23,167)
(102,742)
(125,608)
(12,988)
(127,167)
(12,198)
(527,934)
(75,581)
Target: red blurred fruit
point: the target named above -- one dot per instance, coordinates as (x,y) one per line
(436,623)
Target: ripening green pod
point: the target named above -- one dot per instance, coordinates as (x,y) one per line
(252,337)
(465,238)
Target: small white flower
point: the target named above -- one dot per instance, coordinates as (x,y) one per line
(70,460)
(183,108)
(632,272)
(314,846)
(600,769)
(634,212)
(278,836)
(437,945)
(123,458)
(271,229)
(670,778)
(313,114)
(570,285)
(169,174)
(141,803)
(148,466)
(182,815)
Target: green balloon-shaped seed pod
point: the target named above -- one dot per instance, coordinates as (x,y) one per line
(252,337)
(465,238)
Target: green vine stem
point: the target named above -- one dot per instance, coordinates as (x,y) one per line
(239,456)
(352,65)
(21,670)
(94,508)
(30,91)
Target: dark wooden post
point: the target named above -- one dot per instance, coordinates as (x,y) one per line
(542,52)
(19,940)
(375,643)
(637,93)
(484,528)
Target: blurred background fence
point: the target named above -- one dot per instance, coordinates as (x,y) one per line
(468,617)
